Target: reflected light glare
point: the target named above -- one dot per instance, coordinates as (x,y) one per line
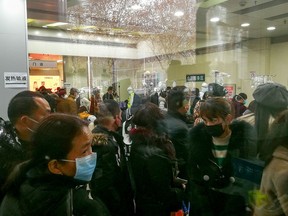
(245,24)
(178,13)
(215,19)
(136,7)
(271,28)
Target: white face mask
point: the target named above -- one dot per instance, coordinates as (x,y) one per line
(33,120)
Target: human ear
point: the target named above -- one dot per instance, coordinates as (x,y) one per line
(229,118)
(53,167)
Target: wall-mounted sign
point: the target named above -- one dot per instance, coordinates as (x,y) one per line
(42,64)
(15,79)
(195,78)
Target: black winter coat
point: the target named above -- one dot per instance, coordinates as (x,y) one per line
(46,194)
(204,173)
(177,130)
(12,151)
(154,175)
(110,181)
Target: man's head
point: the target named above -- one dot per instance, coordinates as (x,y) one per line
(109,115)
(110,90)
(74,92)
(25,111)
(177,100)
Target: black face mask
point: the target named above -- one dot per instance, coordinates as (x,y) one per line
(215,130)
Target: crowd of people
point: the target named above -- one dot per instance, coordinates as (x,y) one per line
(184,156)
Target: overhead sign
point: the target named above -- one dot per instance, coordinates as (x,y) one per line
(195,77)
(42,64)
(15,79)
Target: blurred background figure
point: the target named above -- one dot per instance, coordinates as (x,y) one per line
(154,165)
(83,101)
(95,100)
(134,101)
(109,94)
(239,102)
(67,105)
(49,183)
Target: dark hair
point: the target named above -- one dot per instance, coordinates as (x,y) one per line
(215,107)
(278,135)
(73,91)
(21,104)
(149,120)
(175,98)
(262,119)
(108,108)
(148,115)
(252,105)
(216,90)
(243,95)
(52,140)
(110,88)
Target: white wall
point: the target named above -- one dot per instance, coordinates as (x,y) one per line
(13,46)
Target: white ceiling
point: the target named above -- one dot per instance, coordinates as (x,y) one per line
(116,18)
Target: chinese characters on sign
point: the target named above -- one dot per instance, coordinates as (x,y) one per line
(195,78)
(15,79)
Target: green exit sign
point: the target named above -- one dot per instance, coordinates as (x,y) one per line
(195,78)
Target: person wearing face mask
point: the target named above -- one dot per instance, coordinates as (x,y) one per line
(213,145)
(25,110)
(110,181)
(239,102)
(49,183)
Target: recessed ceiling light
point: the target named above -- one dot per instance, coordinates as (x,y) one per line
(245,24)
(99,38)
(68,29)
(37,32)
(59,34)
(179,13)
(271,28)
(45,26)
(215,19)
(136,7)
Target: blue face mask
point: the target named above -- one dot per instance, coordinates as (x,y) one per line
(85,167)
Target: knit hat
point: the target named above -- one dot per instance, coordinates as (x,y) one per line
(216,90)
(271,95)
